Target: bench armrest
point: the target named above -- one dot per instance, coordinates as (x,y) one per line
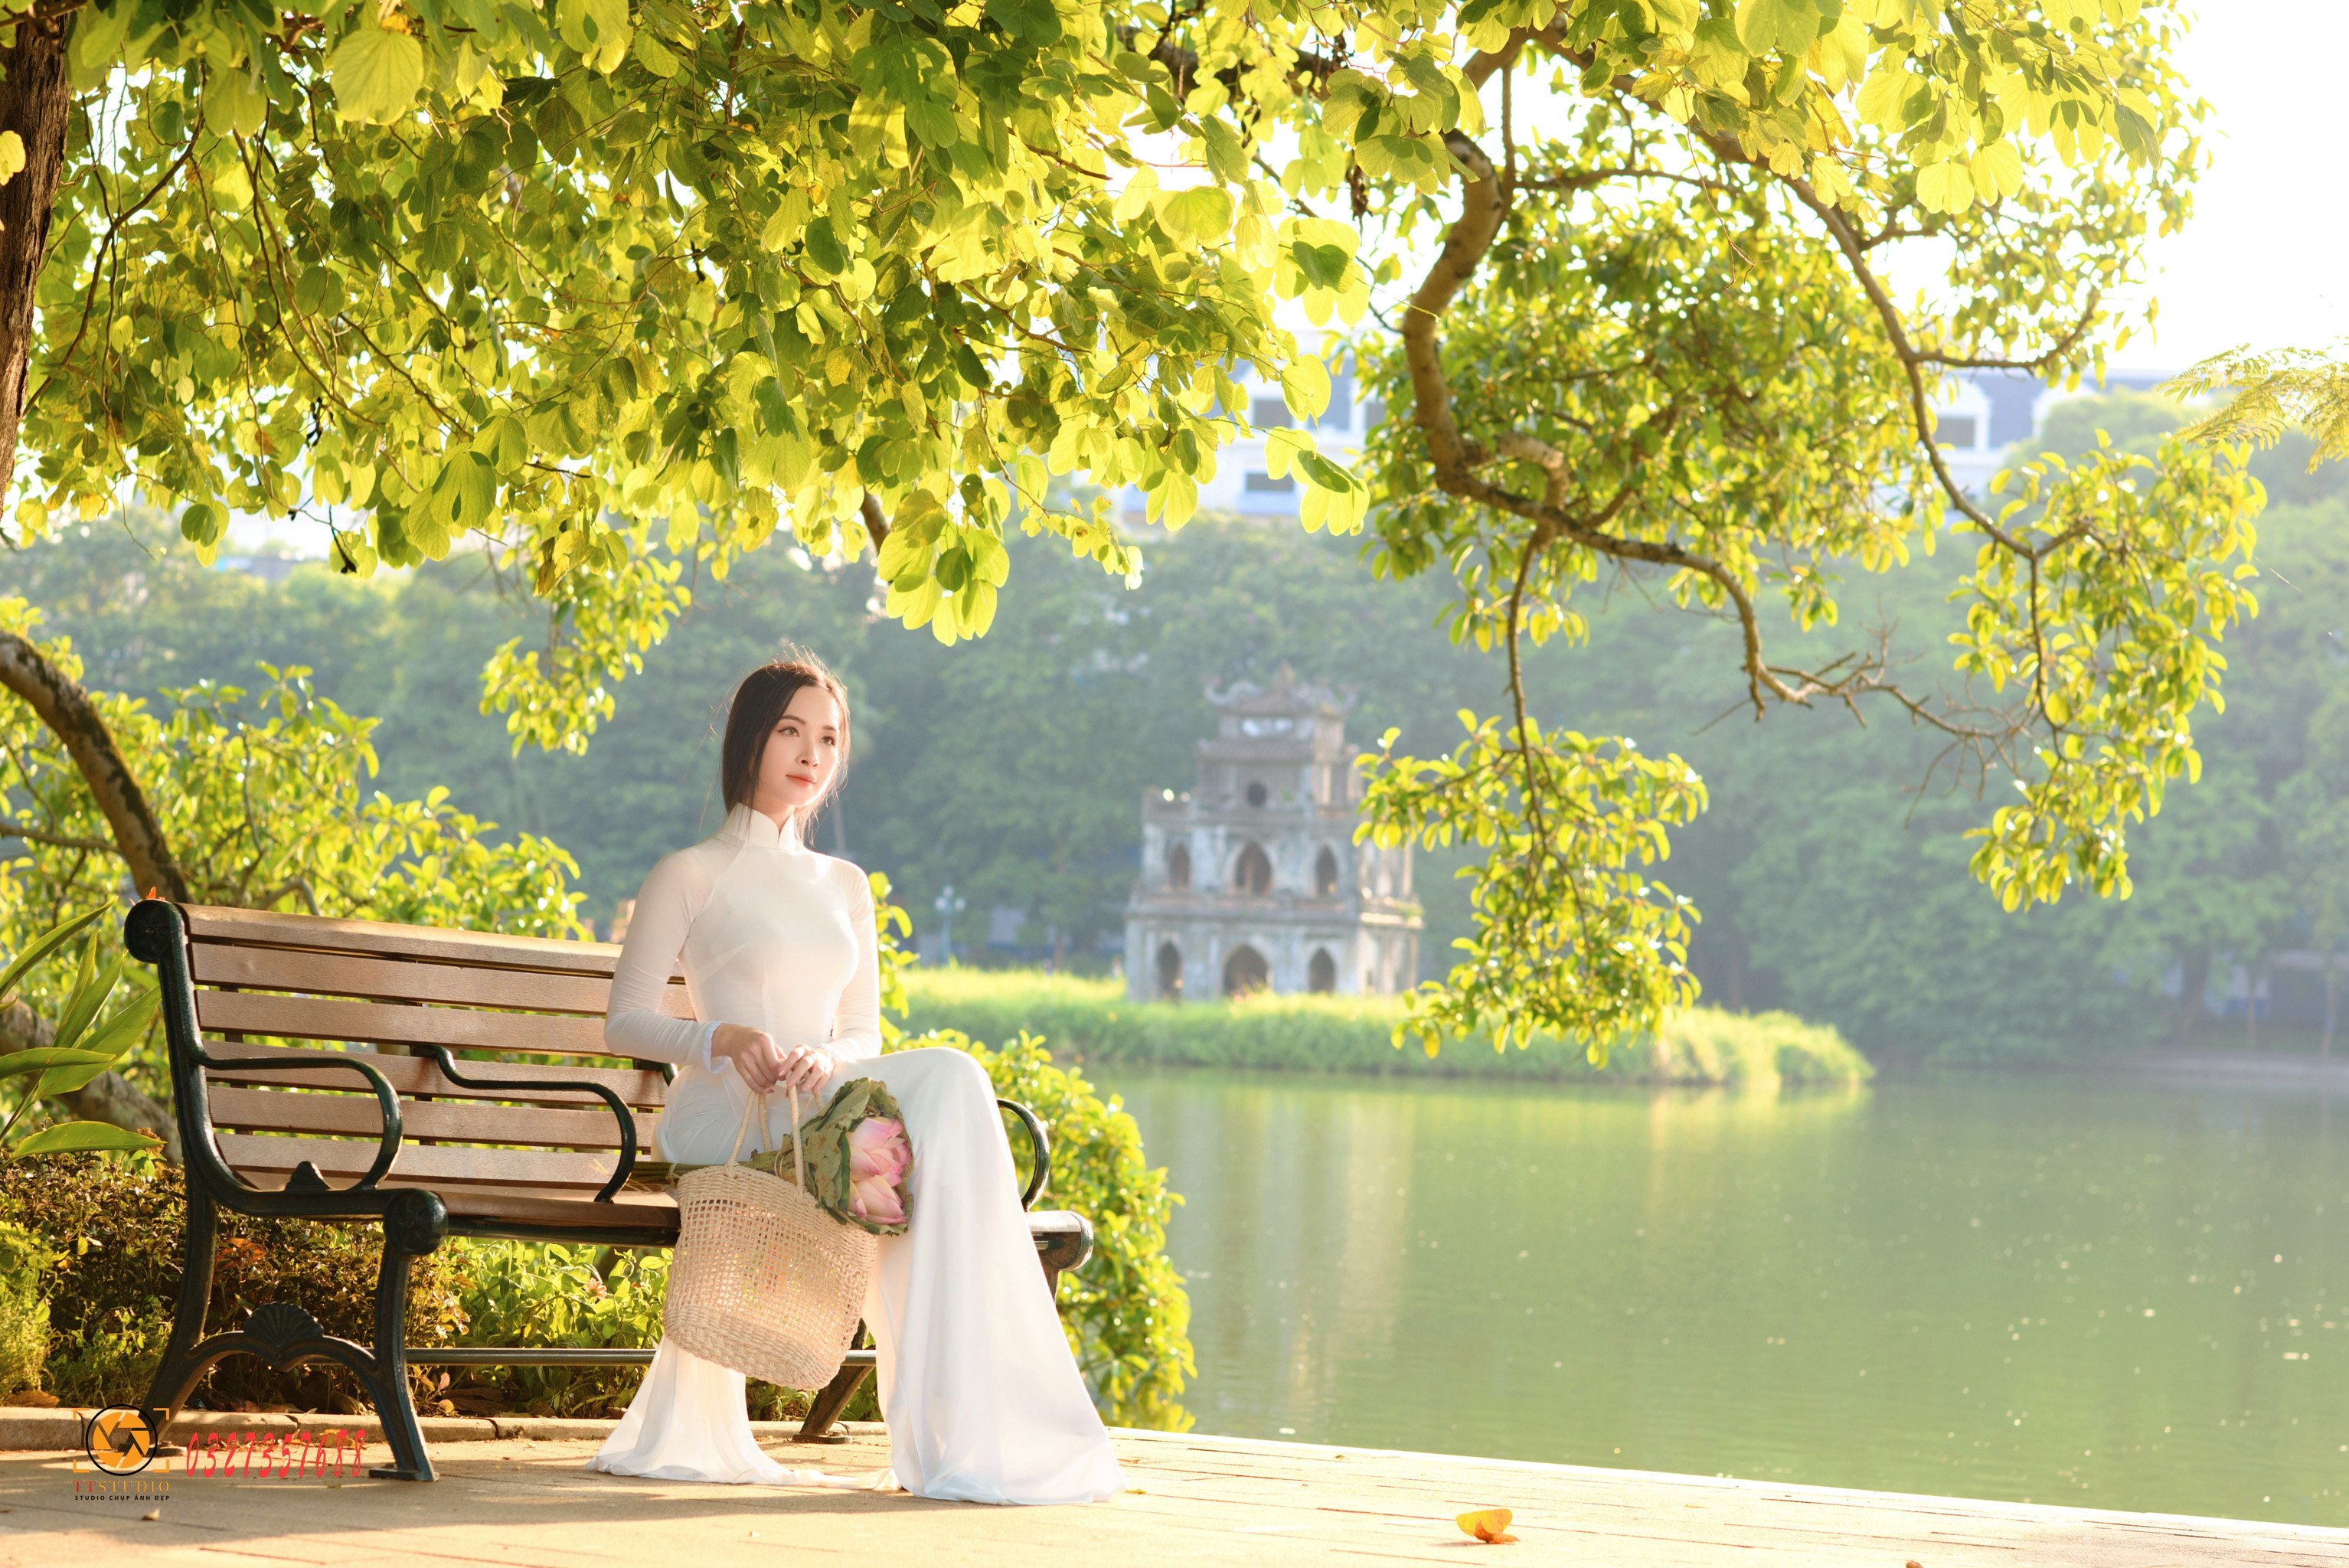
(384,1096)
(1040,1142)
(447,1063)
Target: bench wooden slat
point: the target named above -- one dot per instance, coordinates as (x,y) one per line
(628,1209)
(358,1116)
(410,980)
(273,928)
(388,1023)
(257,1156)
(411,1076)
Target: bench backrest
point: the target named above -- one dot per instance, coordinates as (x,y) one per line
(261,976)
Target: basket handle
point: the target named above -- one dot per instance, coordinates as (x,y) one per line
(799,1162)
(751,1101)
(754,1103)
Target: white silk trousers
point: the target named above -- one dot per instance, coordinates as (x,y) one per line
(982,1398)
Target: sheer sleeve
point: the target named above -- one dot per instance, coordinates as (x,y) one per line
(856,1022)
(633,1024)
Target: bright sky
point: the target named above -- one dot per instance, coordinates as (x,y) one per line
(2265,260)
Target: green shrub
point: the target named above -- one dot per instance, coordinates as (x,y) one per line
(1092,1021)
(1126,1311)
(114,1228)
(116,1225)
(25,1262)
(549,1294)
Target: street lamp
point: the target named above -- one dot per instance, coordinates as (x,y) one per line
(949,906)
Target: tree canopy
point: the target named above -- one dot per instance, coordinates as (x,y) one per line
(611,285)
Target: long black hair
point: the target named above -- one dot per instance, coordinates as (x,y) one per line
(758,707)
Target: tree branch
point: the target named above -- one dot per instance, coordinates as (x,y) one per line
(62,840)
(1183,64)
(65,708)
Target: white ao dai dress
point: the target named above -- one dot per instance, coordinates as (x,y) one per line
(982,1398)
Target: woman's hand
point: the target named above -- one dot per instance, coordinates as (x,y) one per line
(805,1067)
(766,1065)
(753,1052)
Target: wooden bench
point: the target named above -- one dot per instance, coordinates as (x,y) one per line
(421,1129)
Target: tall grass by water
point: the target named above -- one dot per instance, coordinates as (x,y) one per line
(1091,1020)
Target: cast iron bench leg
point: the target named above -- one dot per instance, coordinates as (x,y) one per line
(832,1398)
(286,1335)
(179,1370)
(388,1379)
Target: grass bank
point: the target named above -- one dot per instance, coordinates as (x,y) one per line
(1091,1020)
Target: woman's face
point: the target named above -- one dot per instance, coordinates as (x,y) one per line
(801,755)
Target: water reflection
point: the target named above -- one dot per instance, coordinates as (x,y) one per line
(2119,1297)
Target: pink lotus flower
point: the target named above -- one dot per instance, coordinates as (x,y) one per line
(877,1157)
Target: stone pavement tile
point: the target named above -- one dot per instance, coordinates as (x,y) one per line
(1402,1506)
(1205,1501)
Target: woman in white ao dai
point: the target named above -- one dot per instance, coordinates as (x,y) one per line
(982,1398)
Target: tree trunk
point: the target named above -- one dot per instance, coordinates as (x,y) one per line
(36,101)
(65,708)
(2197,980)
(2331,1001)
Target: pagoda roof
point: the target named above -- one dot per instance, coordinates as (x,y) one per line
(1286,695)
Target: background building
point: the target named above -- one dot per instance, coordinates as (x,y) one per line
(1985,412)
(1251,880)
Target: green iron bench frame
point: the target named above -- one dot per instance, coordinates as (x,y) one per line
(407,1128)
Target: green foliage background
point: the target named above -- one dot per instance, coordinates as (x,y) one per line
(1090,1021)
(1829,867)
(116,1225)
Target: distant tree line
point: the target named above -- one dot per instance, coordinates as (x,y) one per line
(1829,867)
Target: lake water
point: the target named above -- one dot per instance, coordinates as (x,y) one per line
(2035,1289)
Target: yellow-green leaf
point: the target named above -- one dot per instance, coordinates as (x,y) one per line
(83,1138)
(1199,216)
(376,75)
(1787,25)
(1305,383)
(1945,187)
(1997,171)
(41,1058)
(653,56)
(1881,97)
(233,102)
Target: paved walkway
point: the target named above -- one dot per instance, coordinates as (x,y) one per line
(526,1503)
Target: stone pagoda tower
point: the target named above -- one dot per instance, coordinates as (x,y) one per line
(1252,881)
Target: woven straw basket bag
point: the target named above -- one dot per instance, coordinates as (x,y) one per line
(763,1279)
